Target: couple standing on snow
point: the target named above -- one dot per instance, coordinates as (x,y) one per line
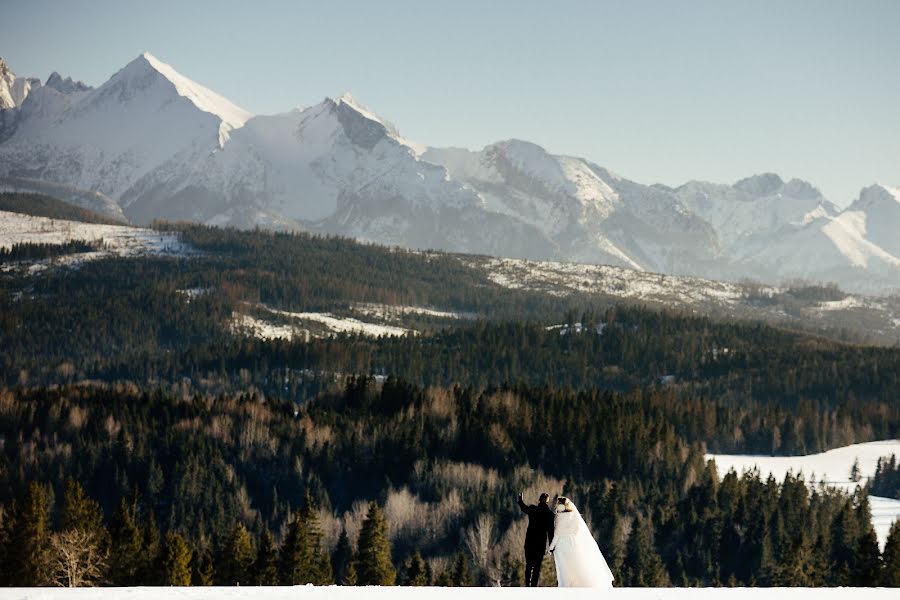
(579,562)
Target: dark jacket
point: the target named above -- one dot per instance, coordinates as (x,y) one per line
(540,527)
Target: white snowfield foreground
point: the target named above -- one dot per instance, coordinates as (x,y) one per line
(430,593)
(832,467)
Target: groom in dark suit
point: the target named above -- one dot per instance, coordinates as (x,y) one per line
(538,535)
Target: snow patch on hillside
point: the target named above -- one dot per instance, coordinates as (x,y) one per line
(119,240)
(560,279)
(389,311)
(832,467)
(307,324)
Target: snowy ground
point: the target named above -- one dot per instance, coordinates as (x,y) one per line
(119,240)
(561,278)
(876,317)
(832,467)
(386,311)
(411,593)
(303,325)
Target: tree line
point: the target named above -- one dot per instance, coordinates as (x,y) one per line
(185,477)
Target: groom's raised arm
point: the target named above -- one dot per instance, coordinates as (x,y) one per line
(522,505)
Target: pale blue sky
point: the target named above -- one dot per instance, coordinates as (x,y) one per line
(662,91)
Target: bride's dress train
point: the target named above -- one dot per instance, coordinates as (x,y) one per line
(579,562)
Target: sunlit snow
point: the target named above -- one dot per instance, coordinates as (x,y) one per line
(118,240)
(832,467)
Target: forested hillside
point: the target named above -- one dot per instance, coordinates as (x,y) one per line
(443,465)
(217,456)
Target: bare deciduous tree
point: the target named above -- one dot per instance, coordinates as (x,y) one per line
(75,560)
(481,541)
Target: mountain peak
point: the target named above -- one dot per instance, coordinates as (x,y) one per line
(763,184)
(67,85)
(877,195)
(349,109)
(146,65)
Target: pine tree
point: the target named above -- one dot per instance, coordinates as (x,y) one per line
(342,560)
(373,558)
(319,560)
(867,567)
(29,539)
(415,572)
(266,567)
(202,569)
(83,515)
(462,576)
(127,542)
(890,570)
(236,558)
(445,579)
(644,567)
(80,512)
(844,544)
(176,561)
(152,554)
(302,559)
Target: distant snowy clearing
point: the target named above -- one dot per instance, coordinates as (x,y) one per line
(304,325)
(413,593)
(120,240)
(832,467)
(561,278)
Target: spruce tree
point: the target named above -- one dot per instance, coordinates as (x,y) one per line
(127,541)
(415,572)
(152,554)
(236,558)
(644,567)
(319,560)
(890,569)
(176,561)
(462,576)
(202,569)
(867,567)
(373,557)
(29,539)
(80,512)
(342,560)
(266,566)
(302,559)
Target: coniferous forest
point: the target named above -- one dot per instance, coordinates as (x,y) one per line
(146,441)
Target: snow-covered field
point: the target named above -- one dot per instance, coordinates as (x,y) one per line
(832,467)
(413,593)
(119,240)
(308,324)
(387,311)
(563,278)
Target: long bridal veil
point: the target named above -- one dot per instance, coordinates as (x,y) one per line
(579,562)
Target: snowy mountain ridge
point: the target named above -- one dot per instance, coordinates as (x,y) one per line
(164,146)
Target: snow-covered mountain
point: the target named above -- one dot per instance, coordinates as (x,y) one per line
(163,146)
(14,90)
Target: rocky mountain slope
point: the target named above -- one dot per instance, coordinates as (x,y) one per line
(162,146)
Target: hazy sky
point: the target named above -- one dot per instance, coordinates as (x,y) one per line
(661,91)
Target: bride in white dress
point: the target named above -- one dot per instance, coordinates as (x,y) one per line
(579,562)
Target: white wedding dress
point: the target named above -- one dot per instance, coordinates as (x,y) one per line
(579,562)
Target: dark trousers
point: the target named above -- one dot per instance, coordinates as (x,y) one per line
(533,562)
